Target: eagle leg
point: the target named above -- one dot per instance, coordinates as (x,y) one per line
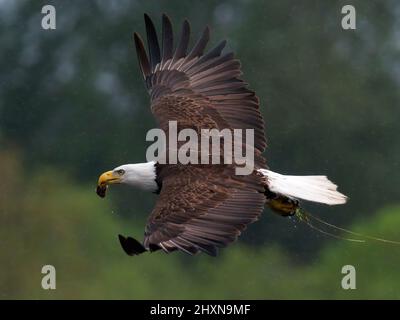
(280,204)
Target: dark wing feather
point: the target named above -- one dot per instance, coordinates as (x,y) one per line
(167,38)
(201,44)
(142,56)
(183,45)
(203,209)
(152,41)
(213,53)
(213,78)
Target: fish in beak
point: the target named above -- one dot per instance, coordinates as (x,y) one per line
(107,178)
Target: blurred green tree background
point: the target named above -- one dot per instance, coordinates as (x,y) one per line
(72,105)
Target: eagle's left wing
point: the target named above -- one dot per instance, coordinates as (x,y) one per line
(203,208)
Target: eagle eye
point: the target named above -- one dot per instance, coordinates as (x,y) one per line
(121,172)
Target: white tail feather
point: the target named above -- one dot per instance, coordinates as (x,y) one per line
(312,188)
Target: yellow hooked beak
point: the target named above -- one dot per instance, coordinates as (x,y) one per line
(105,179)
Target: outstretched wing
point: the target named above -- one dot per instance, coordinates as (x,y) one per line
(195,89)
(200,207)
(203,208)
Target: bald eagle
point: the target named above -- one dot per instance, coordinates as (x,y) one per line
(203,207)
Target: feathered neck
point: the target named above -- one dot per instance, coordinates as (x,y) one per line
(141,175)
